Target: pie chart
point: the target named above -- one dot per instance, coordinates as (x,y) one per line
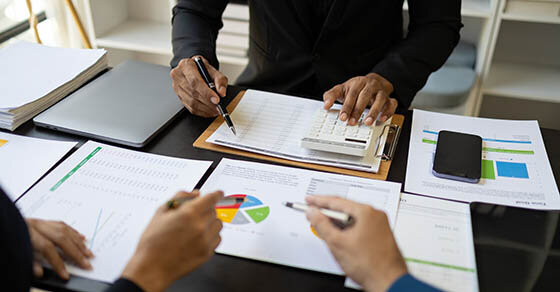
(251,210)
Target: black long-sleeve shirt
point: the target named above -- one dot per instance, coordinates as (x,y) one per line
(16,255)
(308,46)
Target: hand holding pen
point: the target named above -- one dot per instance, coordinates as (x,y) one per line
(176,241)
(192,89)
(366,251)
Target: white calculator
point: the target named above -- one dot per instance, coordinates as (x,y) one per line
(328,133)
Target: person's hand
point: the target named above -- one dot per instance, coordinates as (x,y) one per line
(359,92)
(193,91)
(366,251)
(175,242)
(53,240)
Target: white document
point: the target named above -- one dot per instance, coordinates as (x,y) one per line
(31,71)
(274,124)
(515,166)
(25,160)
(262,228)
(109,194)
(435,239)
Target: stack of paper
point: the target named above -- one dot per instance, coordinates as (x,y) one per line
(34,77)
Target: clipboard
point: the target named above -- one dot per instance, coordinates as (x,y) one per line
(394,131)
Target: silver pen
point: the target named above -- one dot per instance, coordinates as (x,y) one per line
(344,219)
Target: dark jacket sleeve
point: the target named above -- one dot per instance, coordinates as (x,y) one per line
(124,285)
(195,28)
(409,283)
(433,32)
(15,248)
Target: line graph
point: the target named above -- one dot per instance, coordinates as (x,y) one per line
(98,227)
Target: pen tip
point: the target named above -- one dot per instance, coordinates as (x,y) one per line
(233,130)
(288,204)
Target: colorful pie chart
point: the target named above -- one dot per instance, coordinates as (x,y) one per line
(251,210)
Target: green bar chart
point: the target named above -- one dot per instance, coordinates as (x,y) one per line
(487,170)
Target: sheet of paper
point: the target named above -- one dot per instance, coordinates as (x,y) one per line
(274,124)
(25,160)
(264,229)
(515,166)
(30,71)
(435,238)
(109,194)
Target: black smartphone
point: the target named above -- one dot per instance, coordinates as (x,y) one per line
(458,156)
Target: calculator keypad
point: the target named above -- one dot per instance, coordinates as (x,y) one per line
(328,133)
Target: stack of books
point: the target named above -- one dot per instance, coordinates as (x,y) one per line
(34,77)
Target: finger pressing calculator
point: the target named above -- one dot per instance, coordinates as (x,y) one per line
(328,133)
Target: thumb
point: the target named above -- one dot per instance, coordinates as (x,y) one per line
(208,201)
(221,82)
(332,95)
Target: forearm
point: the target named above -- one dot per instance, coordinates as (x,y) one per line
(433,34)
(195,28)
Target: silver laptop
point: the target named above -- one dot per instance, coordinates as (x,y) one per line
(127,105)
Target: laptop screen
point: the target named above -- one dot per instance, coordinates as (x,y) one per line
(516,249)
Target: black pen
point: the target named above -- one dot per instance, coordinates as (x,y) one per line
(221,107)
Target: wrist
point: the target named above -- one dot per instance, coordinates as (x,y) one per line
(140,271)
(384,281)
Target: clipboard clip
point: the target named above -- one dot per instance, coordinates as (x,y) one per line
(393,134)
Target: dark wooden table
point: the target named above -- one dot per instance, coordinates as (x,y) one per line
(226,273)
